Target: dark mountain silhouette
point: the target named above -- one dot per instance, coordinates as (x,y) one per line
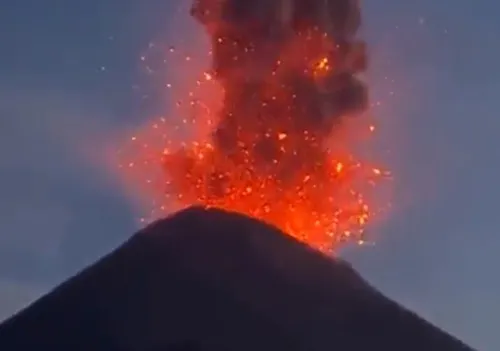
(212,280)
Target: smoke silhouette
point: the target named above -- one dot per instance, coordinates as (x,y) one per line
(288,68)
(264,55)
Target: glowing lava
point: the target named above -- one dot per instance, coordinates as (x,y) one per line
(276,146)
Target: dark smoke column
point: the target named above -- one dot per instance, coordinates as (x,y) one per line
(287,66)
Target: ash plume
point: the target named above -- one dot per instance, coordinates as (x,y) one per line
(286,66)
(289,72)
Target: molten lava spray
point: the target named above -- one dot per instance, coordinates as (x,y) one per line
(289,72)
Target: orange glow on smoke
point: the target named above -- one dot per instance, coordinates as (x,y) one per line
(319,194)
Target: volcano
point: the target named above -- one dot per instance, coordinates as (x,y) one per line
(206,279)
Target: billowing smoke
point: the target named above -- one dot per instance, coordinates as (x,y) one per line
(289,71)
(287,66)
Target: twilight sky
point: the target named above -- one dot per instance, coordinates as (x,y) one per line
(71,81)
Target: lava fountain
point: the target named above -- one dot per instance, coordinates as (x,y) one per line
(277,150)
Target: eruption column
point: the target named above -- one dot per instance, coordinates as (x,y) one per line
(288,69)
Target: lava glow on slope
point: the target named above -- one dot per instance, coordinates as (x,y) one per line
(276,162)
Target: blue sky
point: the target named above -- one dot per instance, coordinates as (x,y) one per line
(72,79)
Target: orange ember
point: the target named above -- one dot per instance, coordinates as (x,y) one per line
(320,205)
(275,148)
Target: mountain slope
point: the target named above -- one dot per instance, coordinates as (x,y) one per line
(225,282)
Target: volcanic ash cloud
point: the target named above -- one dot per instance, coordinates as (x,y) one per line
(289,72)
